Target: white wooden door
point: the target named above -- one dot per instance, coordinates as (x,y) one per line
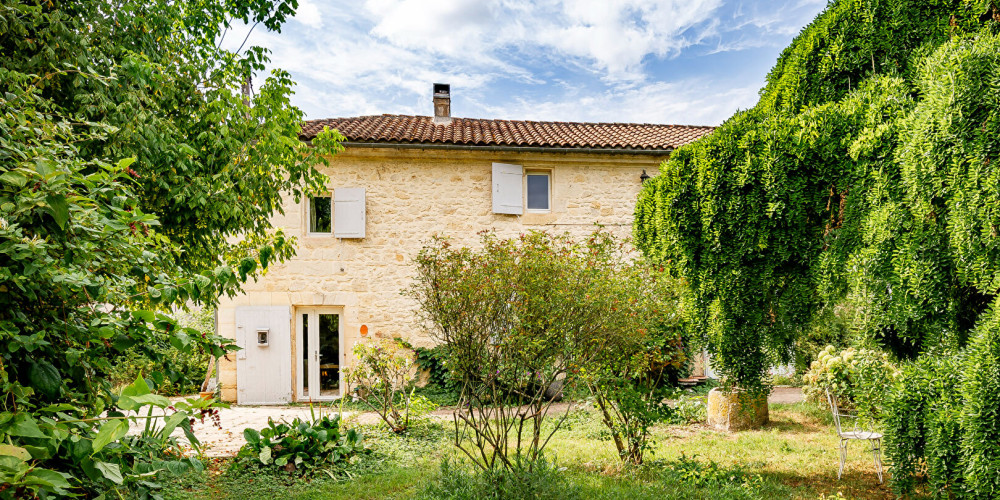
(264,361)
(319,353)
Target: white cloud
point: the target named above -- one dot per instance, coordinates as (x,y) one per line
(309,14)
(611,36)
(580,60)
(687,102)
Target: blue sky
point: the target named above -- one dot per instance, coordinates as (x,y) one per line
(658,61)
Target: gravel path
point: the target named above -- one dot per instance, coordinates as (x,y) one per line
(227,440)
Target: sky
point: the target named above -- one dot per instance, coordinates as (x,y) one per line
(688,62)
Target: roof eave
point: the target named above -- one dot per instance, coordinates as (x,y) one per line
(503,148)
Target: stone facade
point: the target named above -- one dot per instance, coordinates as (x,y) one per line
(412,195)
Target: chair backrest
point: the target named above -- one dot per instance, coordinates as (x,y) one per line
(835,408)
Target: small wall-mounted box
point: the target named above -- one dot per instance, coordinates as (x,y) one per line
(262,337)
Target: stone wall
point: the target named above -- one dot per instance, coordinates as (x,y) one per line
(413,194)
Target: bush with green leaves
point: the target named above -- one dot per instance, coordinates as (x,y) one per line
(382,376)
(942,421)
(725,482)
(859,378)
(174,371)
(980,413)
(301,445)
(690,410)
(520,315)
(862,177)
(434,360)
(922,419)
(108,460)
(134,179)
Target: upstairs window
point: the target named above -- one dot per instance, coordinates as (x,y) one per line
(320,215)
(538,191)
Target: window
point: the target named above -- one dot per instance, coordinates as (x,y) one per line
(538,191)
(320,214)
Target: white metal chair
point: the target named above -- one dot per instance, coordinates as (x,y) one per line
(856,433)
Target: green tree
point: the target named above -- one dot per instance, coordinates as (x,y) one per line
(865,178)
(134,178)
(518,316)
(771,218)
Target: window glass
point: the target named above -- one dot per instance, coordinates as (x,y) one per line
(538,191)
(320,214)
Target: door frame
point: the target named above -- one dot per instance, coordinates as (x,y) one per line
(314,347)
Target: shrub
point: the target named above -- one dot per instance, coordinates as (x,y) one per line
(301,445)
(174,371)
(690,410)
(518,316)
(382,375)
(722,481)
(981,411)
(642,350)
(860,378)
(441,381)
(922,418)
(106,459)
(542,480)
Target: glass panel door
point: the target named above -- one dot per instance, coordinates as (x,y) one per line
(318,354)
(329,354)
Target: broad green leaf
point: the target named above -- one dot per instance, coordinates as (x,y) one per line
(265,455)
(144,315)
(15,451)
(251,436)
(45,378)
(14,178)
(57,481)
(137,388)
(177,467)
(132,403)
(113,472)
(111,431)
(45,166)
(59,209)
(126,162)
(12,463)
(171,422)
(25,426)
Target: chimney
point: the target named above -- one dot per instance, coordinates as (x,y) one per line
(442,104)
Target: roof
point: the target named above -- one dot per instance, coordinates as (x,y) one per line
(518,133)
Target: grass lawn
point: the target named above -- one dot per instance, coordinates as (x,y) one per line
(795,456)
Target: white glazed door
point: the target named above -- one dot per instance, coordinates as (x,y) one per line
(319,353)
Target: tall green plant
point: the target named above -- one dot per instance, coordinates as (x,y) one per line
(133,180)
(811,198)
(517,316)
(383,376)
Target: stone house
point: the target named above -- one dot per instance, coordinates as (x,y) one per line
(401,180)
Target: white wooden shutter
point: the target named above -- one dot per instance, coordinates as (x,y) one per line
(349,212)
(507,184)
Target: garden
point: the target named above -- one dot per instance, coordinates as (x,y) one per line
(847,225)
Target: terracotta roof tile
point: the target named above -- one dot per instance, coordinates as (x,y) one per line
(481,132)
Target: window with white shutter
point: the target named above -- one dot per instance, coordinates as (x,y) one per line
(538,190)
(507,195)
(320,217)
(349,212)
